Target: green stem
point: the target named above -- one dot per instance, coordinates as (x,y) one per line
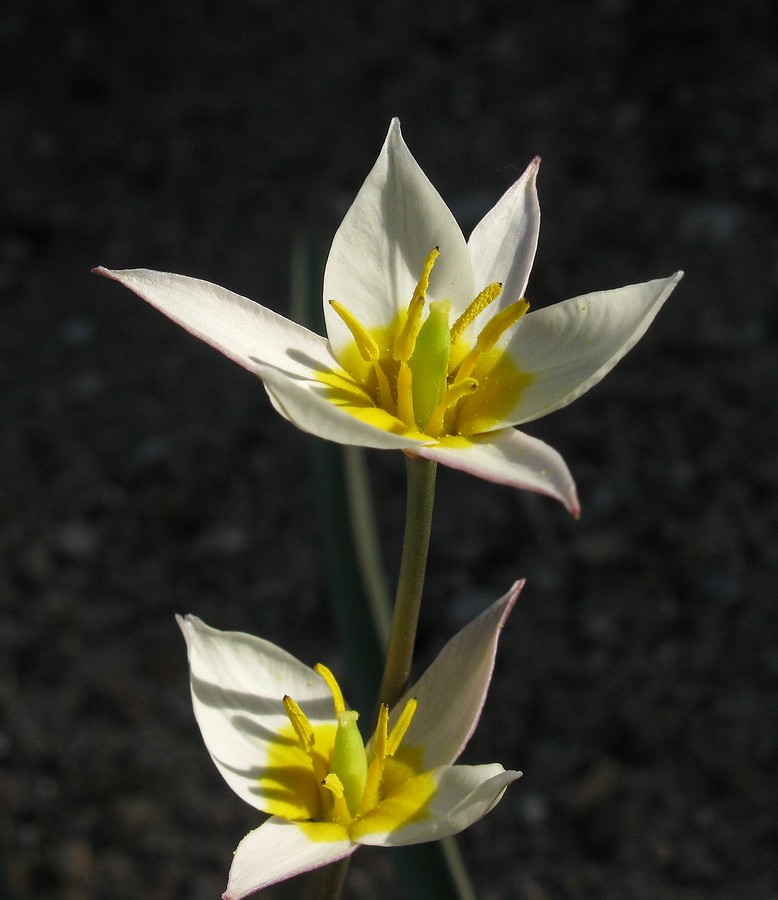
(327,883)
(418,524)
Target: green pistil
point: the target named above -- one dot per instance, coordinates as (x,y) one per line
(349,759)
(429,363)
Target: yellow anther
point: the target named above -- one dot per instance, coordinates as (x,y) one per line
(453,395)
(368,349)
(487,295)
(381,732)
(405,395)
(302,727)
(424,280)
(406,339)
(333,784)
(332,684)
(401,727)
(499,324)
(339,811)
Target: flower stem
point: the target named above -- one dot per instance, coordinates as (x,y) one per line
(327,883)
(418,524)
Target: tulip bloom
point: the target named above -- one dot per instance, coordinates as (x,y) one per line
(282,737)
(429,345)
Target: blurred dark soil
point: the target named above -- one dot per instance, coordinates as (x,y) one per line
(143,474)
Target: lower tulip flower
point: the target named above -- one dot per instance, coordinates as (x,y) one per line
(283,738)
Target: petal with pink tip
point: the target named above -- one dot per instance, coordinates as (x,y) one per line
(462,795)
(503,244)
(241,329)
(570,346)
(379,249)
(509,457)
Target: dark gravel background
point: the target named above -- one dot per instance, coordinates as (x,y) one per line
(143,474)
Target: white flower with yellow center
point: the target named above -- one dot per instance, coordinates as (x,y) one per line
(282,737)
(428,347)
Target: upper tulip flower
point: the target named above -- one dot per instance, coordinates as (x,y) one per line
(282,737)
(428,347)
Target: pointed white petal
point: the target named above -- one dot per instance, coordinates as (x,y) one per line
(241,329)
(502,245)
(280,849)
(464,794)
(510,457)
(304,403)
(570,346)
(452,691)
(379,250)
(238,682)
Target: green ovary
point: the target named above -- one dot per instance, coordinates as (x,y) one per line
(419,376)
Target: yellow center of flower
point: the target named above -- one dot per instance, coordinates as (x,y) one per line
(323,773)
(423,374)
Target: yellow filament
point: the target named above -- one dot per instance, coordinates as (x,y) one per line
(375,771)
(302,727)
(401,726)
(453,395)
(487,295)
(332,684)
(405,395)
(368,349)
(406,339)
(384,390)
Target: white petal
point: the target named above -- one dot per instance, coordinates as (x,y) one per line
(241,329)
(276,850)
(569,347)
(304,403)
(502,245)
(464,795)
(238,682)
(379,250)
(452,691)
(511,457)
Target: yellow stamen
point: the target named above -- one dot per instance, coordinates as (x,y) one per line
(384,390)
(405,395)
(406,339)
(490,334)
(453,395)
(381,732)
(499,324)
(487,295)
(302,727)
(368,349)
(333,784)
(332,684)
(340,811)
(401,726)
(424,280)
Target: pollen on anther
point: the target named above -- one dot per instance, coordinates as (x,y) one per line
(367,347)
(487,296)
